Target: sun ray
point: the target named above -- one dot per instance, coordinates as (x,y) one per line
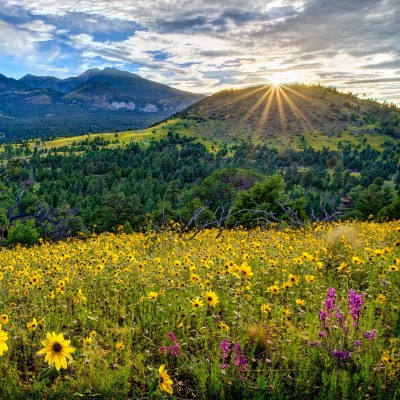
(281,110)
(265,112)
(312,102)
(305,123)
(229,101)
(257,104)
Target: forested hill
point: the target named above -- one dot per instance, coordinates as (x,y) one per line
(172,179)
(288,114)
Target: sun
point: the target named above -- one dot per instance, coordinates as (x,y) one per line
(276,80)
(283,78)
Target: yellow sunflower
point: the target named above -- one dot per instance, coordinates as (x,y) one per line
(3,339)
(211,298)
(164,380)
(273,289)
(57,350)
(4,319)
(265,308)
(224,327)
(293,278)
(152,296)
(196,302)
(310,278)
(32,325)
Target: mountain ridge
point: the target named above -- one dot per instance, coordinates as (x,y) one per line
(96,101)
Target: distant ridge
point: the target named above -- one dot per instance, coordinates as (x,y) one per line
(95,101)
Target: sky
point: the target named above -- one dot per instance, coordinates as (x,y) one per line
(204,46)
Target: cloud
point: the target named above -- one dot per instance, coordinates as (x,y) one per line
(15,42)
(37,26)
(377,80)
(193,44)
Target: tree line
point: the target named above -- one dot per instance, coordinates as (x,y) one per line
(99,189)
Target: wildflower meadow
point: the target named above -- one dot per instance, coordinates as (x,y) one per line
(247,314)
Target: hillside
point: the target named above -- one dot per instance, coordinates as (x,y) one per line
(95,101)
(290,115)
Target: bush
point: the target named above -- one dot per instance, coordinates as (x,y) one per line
(25,234)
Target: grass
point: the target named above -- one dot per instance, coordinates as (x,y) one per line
(126,304)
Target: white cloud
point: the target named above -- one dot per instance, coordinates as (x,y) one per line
(38,26)
(311,40)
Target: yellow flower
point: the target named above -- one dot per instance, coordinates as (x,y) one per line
(273,289)
(310,278)
(356,260)
(196,302)
(224,327)
(287,285)
(32,325)
(180,325)
(3,339)
(152,296)
(57,350)
(393,268)
(293,278)
(246,271)
(211,298)
(4,319)
(87,341)
(265,308)
(285,311)
(381,298)
(164,380)
(300,302)
(120,346)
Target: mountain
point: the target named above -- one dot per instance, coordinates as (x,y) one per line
(9,84)
(289,115)
(95,101)
(115,89)
(59,85)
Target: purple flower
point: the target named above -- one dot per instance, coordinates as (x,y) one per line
(314,343)
(322,315)
(174,349)
(225,348)
(172,337)
(341,355)
(339,316)
(239,360)
(371,335)
(330,300)
(356,302)
(322,334)
(357,343)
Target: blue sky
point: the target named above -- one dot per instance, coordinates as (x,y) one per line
(210,45)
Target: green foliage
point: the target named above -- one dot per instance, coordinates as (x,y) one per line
(221,188)
(23,233)
(392,211)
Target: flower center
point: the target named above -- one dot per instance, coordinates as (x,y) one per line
(209,298)
(161,379)
(57,347)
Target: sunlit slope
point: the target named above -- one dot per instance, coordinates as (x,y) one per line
(291,115)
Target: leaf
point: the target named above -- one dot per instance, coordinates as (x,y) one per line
(47,373)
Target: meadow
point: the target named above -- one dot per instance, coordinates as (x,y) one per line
(252,314)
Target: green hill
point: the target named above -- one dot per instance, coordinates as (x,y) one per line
(290,116)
